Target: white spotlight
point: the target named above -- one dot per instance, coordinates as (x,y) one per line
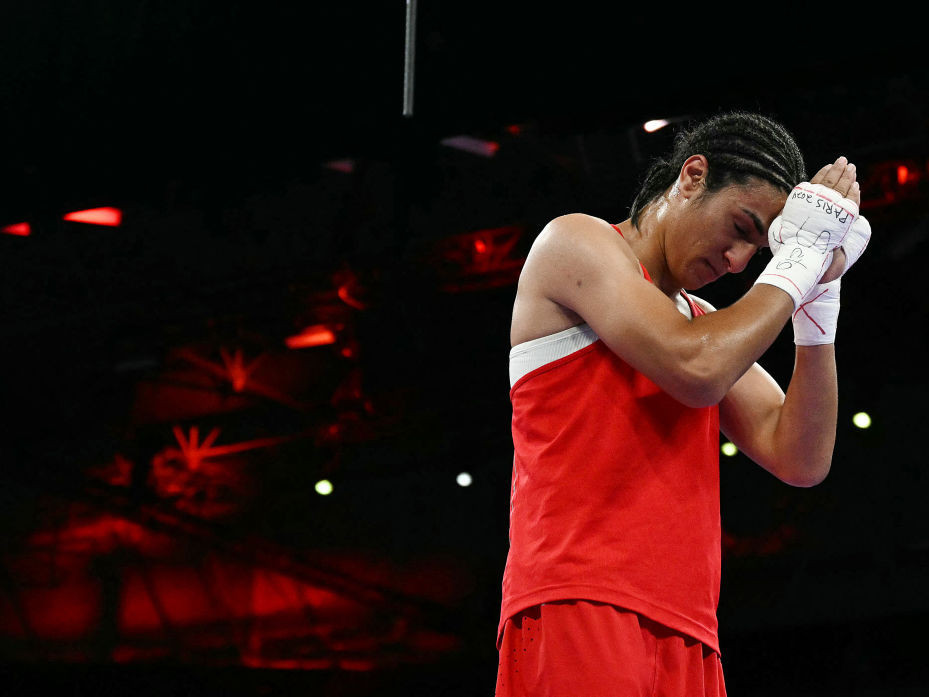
(654,125)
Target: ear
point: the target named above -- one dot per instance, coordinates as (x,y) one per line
(692,179)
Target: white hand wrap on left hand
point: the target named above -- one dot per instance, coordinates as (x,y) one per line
(817,318)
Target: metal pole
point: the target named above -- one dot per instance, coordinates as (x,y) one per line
(409,59)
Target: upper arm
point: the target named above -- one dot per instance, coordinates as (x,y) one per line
(582,263)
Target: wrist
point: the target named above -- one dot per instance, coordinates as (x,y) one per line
(796,269)
(815,320)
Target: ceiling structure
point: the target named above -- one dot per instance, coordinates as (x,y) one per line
(167,429)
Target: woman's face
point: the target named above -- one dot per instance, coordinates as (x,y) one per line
(719,232)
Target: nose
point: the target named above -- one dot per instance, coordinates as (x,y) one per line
(738,256)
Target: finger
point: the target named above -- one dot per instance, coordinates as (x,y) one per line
(818,177)
(848,177)
(854,193)
(835,172)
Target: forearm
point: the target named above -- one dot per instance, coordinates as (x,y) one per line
(804,437)
(725,344)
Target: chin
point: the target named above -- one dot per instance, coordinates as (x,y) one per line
(696,281)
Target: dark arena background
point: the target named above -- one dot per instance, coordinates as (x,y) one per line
(255,325)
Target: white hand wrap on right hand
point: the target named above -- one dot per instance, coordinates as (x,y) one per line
(856,241)
(815,220)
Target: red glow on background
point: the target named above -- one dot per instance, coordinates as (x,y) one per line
(100,535)
(892,182)
(236,369)
(481,259)
(317,335)
(68,611)
(110,217)
(19,229)
(192,450)
(350,348)
(765,545)
(195,453)
(345,295)
(162,597)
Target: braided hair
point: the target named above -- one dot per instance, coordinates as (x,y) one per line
(737,145)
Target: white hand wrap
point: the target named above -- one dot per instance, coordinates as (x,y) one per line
(815,220)
(816,319)
(856,240)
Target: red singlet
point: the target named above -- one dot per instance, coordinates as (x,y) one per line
(615,494)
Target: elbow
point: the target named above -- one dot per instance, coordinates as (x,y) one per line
(698,388)
(701,395)
(698,399)
(701,378)
(808,477)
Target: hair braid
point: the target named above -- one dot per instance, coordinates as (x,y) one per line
(738,146)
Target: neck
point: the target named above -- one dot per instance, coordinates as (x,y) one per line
(648,244)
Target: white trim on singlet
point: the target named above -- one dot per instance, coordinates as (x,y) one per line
(529,355)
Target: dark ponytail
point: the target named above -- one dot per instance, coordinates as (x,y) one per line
(737,145)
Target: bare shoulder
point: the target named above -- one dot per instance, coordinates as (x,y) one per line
(567,260)
(577,238)
(574,226)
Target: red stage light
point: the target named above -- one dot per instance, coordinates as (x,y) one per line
(345,166)
(480,246)
(110,217)
(345,294)
(892,182)
(317,335)
(237,371)
(19,229)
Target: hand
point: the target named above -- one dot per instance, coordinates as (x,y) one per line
(815,221)
(841,176)
(816,319)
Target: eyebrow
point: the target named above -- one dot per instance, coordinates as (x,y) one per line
(757,221)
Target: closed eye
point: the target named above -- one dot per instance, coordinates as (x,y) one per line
(760,228)
(748,236)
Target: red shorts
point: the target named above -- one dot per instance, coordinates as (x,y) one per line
(579,648)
